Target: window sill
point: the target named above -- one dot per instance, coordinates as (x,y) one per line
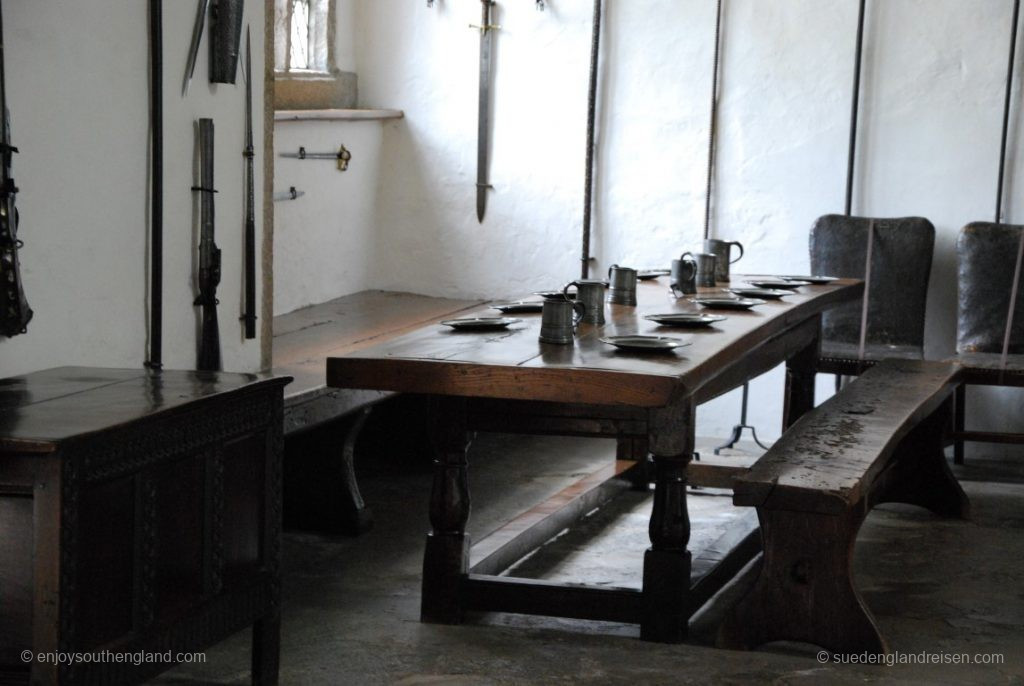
(337,115)
(315,91)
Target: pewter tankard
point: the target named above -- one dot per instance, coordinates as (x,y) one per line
(721,250)
(623,285)
(558,319)
(590,293)
(684,275)
(705,269)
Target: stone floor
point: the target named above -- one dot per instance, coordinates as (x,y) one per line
(351,604)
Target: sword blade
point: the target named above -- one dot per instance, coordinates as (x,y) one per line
(193,50)
(483,111)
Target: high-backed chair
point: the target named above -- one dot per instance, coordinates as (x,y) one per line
(986,258)
(900,267)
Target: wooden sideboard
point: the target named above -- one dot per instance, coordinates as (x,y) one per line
(139,513)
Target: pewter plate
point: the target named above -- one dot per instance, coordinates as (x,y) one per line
(647,274)
(480,323)
(555,295)
(791,284)
(645,343)
(691,320)
(816,280)
(728,303)
(519,306)
(766,293)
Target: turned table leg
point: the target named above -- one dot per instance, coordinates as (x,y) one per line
(446,559)
(666,580)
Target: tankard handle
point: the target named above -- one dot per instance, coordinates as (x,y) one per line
(578,310)
(740,246)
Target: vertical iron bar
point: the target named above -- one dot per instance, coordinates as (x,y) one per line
(1014,287)
(588,181)
(853,109)
(1006,112)
(156,260)
(713,124)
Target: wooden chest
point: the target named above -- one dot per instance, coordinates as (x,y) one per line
(139,513)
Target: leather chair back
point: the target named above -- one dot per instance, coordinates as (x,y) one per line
(986,257)
(900,269)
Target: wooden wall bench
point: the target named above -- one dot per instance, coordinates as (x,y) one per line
(303,340)
(879,440)
(139,512)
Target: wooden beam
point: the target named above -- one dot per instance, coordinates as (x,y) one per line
(549,598)
(527,532)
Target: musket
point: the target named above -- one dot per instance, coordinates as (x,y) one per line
(249,315)
(15,313)
(483,112)
(225,39)
(209,255)
(193,48)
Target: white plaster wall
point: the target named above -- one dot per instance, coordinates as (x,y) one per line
(324,241)
(78,92)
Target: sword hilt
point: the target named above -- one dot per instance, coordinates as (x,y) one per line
(486,27)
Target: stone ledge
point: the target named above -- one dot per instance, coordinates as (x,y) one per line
(337,115)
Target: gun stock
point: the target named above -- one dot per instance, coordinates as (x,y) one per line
(209,256)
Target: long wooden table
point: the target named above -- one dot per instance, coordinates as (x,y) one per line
(509,381)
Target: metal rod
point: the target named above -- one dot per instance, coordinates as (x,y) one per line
(853,110)
(291,194)
(713,125)
(1006,112)
(867,292)
(1013,305)
(588,179)
(156,240)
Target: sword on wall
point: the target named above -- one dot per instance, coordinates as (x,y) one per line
(483,112)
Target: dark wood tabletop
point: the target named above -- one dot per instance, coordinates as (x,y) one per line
(513,364)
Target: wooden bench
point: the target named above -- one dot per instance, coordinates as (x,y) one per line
(879,440)
(303,340)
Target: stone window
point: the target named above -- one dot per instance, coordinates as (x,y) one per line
(305,76)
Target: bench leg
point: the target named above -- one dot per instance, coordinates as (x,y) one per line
(805,590)
(359,517)
(635,449)
(666,579)
(959,415)
(920,474)
(446,558)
